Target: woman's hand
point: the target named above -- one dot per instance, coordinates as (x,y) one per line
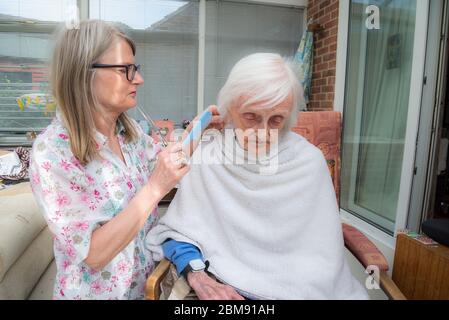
(207,288)
(170,167)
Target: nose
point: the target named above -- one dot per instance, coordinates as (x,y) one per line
(262,131)
(262,124)
(138,79)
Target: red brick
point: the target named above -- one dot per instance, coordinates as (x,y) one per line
(324,4)
(322,51)
(326,106)
(322,66)
(329,56)
(327,89)
(328,73)
(319,82)
(315,90)
(316,75)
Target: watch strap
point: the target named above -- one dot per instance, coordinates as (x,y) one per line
(188,269)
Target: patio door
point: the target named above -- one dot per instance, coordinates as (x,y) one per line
(384,79)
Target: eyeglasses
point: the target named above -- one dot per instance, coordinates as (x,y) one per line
(131,69)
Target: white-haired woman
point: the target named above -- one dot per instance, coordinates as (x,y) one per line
(94,172)
(264,220)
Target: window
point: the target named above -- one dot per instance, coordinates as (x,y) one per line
(167,34)
(378,85)
(25,40)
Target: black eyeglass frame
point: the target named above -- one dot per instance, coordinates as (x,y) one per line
(126,66)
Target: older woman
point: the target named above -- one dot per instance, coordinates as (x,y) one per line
(263,222)
(94,172)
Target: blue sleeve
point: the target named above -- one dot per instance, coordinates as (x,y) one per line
(180,253)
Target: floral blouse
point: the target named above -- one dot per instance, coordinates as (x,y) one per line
(76,200)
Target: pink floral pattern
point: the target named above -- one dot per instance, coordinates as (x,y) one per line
(76,199)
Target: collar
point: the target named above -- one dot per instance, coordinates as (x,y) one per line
(100,138)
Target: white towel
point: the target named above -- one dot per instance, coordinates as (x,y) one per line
(274,236)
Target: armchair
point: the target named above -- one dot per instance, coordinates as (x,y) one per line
(323,129)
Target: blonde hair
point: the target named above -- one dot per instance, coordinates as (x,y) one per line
(266,79)
(71,78)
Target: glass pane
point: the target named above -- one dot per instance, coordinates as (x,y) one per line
(376,108)
(166,33)
(25,41)
(234,30)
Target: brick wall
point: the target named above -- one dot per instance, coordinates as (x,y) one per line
(324,12)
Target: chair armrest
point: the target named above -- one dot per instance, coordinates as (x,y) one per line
(363,249)
(389,287)
(152,287)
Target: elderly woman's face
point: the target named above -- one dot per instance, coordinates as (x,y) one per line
(255,125)
(111,87)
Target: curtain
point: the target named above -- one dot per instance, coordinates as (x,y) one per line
(304,58)
(388,65)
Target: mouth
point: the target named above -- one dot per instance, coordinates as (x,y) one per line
(133,93)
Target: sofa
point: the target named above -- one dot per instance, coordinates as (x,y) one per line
(27,268)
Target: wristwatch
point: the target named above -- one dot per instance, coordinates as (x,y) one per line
(195,265)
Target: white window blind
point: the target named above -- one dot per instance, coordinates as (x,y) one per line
(236,29)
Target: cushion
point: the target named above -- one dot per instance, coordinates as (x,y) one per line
(44,288)
(20,223)
(14,190)
(23,275)
(363,249)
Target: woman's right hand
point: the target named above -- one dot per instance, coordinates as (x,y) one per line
(171,166)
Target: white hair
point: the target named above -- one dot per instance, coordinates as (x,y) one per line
(265,79)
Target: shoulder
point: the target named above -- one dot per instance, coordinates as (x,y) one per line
(305,150)
(211,145)
(302,144)
(54,139)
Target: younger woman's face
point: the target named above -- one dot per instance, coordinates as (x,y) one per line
(114,92)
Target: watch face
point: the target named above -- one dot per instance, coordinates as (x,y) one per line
(197,265)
